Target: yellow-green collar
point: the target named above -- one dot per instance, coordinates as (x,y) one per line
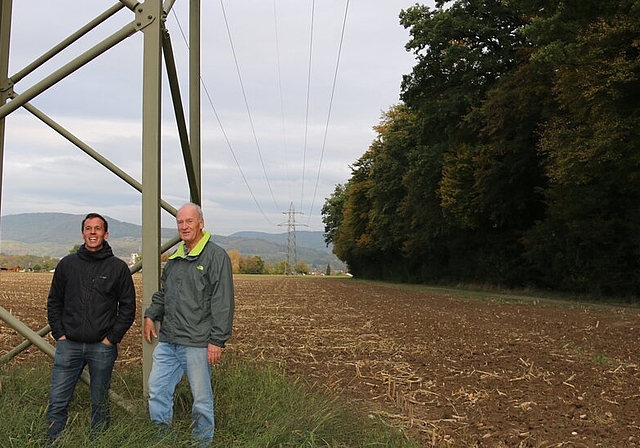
(182,253)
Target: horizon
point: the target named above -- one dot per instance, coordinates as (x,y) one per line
(163,226)
(54,233)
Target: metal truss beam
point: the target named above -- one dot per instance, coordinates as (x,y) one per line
(149,19)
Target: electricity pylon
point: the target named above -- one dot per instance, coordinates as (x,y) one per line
(148,18)
(292,251)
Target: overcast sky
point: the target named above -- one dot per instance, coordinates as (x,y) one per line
(275,130)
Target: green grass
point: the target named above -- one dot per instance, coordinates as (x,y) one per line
(257,405)
(500,294)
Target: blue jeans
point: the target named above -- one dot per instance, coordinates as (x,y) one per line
(170,363)
(70,358)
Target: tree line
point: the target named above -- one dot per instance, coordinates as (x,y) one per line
(254,264)
(27,262)
(513,157)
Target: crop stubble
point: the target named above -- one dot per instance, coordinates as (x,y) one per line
(455,372)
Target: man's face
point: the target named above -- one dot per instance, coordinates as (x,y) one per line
(189,226)
(94,234)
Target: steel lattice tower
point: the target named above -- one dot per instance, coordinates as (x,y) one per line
(292,251)
(148,19)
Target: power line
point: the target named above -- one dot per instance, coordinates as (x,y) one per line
(284,134)
(224,134)
(307,111)
(246,102)
(333,89)
(306,123)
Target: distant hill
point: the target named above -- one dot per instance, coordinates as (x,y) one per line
(311,240)
(54,234)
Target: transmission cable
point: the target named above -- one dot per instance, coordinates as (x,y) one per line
(306,123)
(284,132)
(246,103)
(226,138)
(333,89)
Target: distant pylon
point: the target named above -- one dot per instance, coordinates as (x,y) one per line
(292,251)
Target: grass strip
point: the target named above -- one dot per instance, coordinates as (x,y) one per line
(257,405)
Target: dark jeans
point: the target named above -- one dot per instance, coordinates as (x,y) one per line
(70,359)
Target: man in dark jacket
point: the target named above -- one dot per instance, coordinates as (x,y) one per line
(91,305)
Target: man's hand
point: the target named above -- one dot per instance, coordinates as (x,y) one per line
(214,353)
(149,329)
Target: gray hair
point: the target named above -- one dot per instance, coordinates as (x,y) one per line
(197,207)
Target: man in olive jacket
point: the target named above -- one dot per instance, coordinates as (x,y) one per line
(91,305)
(195,305)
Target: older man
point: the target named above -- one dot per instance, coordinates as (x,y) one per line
(195,305)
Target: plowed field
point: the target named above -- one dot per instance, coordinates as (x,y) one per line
(458,372)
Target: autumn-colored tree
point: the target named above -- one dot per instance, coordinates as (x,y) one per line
(514,158)
(252,265)
(235,256)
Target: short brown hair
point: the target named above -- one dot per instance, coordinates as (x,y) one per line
(95,215)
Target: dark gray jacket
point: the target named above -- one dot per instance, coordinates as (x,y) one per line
(195,302)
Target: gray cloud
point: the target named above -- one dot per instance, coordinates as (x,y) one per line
(101,104)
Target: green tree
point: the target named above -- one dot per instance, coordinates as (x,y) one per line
(396,138)
(332,213)
(461,50)
(497,182)
(425,243)
(590,239)
(302,268)
(252,265)
(362,218)
(464,50)
(279,267)
(514,158)
(352,240)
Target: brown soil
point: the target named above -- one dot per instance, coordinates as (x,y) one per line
(455,372)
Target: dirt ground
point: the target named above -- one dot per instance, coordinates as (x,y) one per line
(456,372)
